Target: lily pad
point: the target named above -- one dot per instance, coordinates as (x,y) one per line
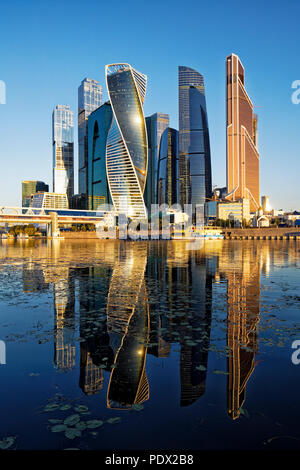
(72,419)
(51,407)
(59,428)
(94,423)
(71,433)
(7,442)
(65,407)
(137,407)
(114,420)
(81,408)
(55,421)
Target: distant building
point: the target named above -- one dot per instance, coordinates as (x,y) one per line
(31,187)
(265,204)
(194,146)
(242,153)
(167,172)
(89,99)
(219,193)
(49,201)
(237,210)
(63,150)
(99,123)
(156,125)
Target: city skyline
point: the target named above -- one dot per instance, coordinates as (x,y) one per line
(34,92)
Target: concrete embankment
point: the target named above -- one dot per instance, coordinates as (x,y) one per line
(281,233)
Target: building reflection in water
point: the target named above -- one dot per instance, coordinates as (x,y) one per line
(138,298)
(242,269)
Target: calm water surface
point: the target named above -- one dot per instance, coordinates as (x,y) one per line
(149,345)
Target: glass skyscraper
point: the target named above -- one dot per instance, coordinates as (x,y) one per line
(89,99)
(242,153)
(156,125)
(127,146)
(99,123)
(63,150)
(194,145)
(167,173)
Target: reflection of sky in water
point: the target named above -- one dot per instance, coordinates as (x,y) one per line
(176,348)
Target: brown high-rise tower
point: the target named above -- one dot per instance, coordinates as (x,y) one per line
(242,153)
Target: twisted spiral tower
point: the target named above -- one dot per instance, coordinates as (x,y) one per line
(127,146)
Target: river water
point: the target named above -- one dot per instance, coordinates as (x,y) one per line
(149,345)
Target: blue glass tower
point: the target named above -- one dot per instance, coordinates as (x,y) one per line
(167,174)
(194,146)
(99,123)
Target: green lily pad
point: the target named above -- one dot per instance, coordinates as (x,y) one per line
(81,408)
(7,442)
(221,372)
(71,433)
(55,421)
(137,407)
(59,428)
(80,425)
(201,368)
(65,407)
(114,420)
(51,407)
(94,423)
(72,419)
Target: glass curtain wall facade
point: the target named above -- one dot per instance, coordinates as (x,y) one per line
(63,150)
(156,125)
(99,123)
(194,146)
(127,146)
(242,154)
(167,174)
(31,187)
(89,99)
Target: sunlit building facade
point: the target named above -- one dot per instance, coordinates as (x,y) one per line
(127,146)
(167,173)
(89,99)
(194,145)
(242,153)
(156,124)
(31,187)
(63,150)
(99,123)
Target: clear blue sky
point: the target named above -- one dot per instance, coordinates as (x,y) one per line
(48,47)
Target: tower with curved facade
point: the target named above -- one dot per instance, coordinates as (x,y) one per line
(194,145)
(127,146)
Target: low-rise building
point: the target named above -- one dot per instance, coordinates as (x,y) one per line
(49,201)
(237,210)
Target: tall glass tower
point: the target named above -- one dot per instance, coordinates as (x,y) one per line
(89,99)
(167,174)
(63,150)
(156,125)
(194,146)
(127,146)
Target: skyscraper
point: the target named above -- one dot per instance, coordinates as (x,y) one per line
(156,125)
(194,145)
(127,147)
(99,123)
(167,174)
(89,99)
(31,187)
(63,150)
(242,153)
